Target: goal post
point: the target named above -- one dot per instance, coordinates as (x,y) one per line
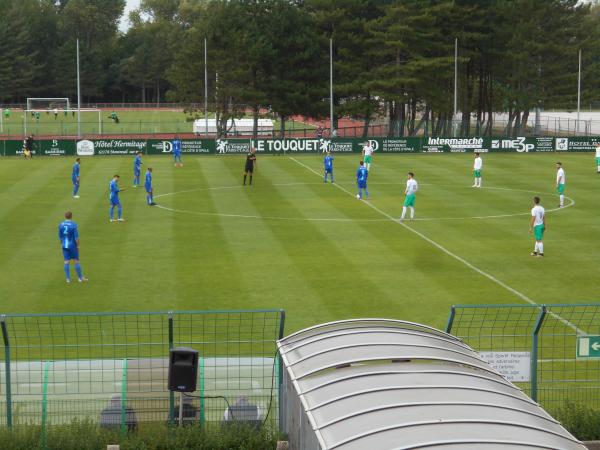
(46,103)
(67,117)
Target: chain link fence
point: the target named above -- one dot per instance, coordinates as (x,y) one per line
(55,368)
(550,351)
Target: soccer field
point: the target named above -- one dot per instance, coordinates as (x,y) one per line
(292,242)
(150,121)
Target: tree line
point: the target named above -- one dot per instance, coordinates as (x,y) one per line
(392,58)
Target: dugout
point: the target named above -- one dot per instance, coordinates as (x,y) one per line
(389,384)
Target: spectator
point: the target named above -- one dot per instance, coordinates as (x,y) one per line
(28,147)
(242,412)
(110,417)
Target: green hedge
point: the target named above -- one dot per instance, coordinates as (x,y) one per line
(581,420)
(88,436)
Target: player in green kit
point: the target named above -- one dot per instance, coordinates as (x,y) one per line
(409,200)
(560,184)
(598,157)
(538,226)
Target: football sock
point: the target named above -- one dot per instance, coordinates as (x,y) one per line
(562,199)
(412,212)
(78,270)
(119,211)
(250,179)
(67,271)
(75,189)
(111,211)
(403,212)
(541,247)
(244,180)
(535,248)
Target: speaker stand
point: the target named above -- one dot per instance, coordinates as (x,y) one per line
(180,409)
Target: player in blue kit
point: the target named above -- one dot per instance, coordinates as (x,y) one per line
(328,162)
(361,180)
(148,186)
(114,199)
(75,178)
(137,169)
(69,241)
(177,152)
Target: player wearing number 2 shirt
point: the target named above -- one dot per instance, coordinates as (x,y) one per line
(69,241)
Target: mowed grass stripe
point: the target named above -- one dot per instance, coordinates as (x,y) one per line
(207,272)
(399,264)
(275,279)
(42,250)
(443,249)
(302,242)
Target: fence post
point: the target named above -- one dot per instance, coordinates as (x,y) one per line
(47,365)
(534,351)
(450,319)
(171,393)
(124,399)
(7,369)
(202,406)
(279,367)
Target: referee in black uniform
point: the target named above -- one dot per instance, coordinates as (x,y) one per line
(250,165)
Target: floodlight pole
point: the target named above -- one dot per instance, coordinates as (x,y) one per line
(579,91)
(78,95)
(454,116)
(205,88)
(331,130)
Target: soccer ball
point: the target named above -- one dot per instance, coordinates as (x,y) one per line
(357,196)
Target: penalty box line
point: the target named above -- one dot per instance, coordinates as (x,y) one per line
(481,272)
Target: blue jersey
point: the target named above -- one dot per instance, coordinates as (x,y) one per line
(361,174)
(75,171)
(148,182)
(68,234)
(328,161)
(177,147)
(137,164)
(114,191)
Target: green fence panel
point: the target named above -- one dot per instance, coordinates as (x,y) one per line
(61,367)
(535,347)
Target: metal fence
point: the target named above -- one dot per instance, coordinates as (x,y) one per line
(58,367)
(550,351)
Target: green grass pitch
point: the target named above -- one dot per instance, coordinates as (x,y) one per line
(292,242)
(130,122)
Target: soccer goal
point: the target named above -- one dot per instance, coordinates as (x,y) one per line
(62,121)
(45,104)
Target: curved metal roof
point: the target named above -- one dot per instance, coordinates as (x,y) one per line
(390,384)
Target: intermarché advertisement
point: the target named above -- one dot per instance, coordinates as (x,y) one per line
(99,147)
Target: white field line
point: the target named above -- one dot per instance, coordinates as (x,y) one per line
(490,277)
(317,219)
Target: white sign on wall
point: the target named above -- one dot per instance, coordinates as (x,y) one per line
(514,366)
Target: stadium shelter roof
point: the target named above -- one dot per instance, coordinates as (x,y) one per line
(389,384)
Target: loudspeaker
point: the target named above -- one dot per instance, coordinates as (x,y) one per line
(183,369)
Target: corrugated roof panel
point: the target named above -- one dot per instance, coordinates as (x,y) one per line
(437,394)
(425,435)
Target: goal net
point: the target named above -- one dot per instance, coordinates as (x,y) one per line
(45,104)
(62,121)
